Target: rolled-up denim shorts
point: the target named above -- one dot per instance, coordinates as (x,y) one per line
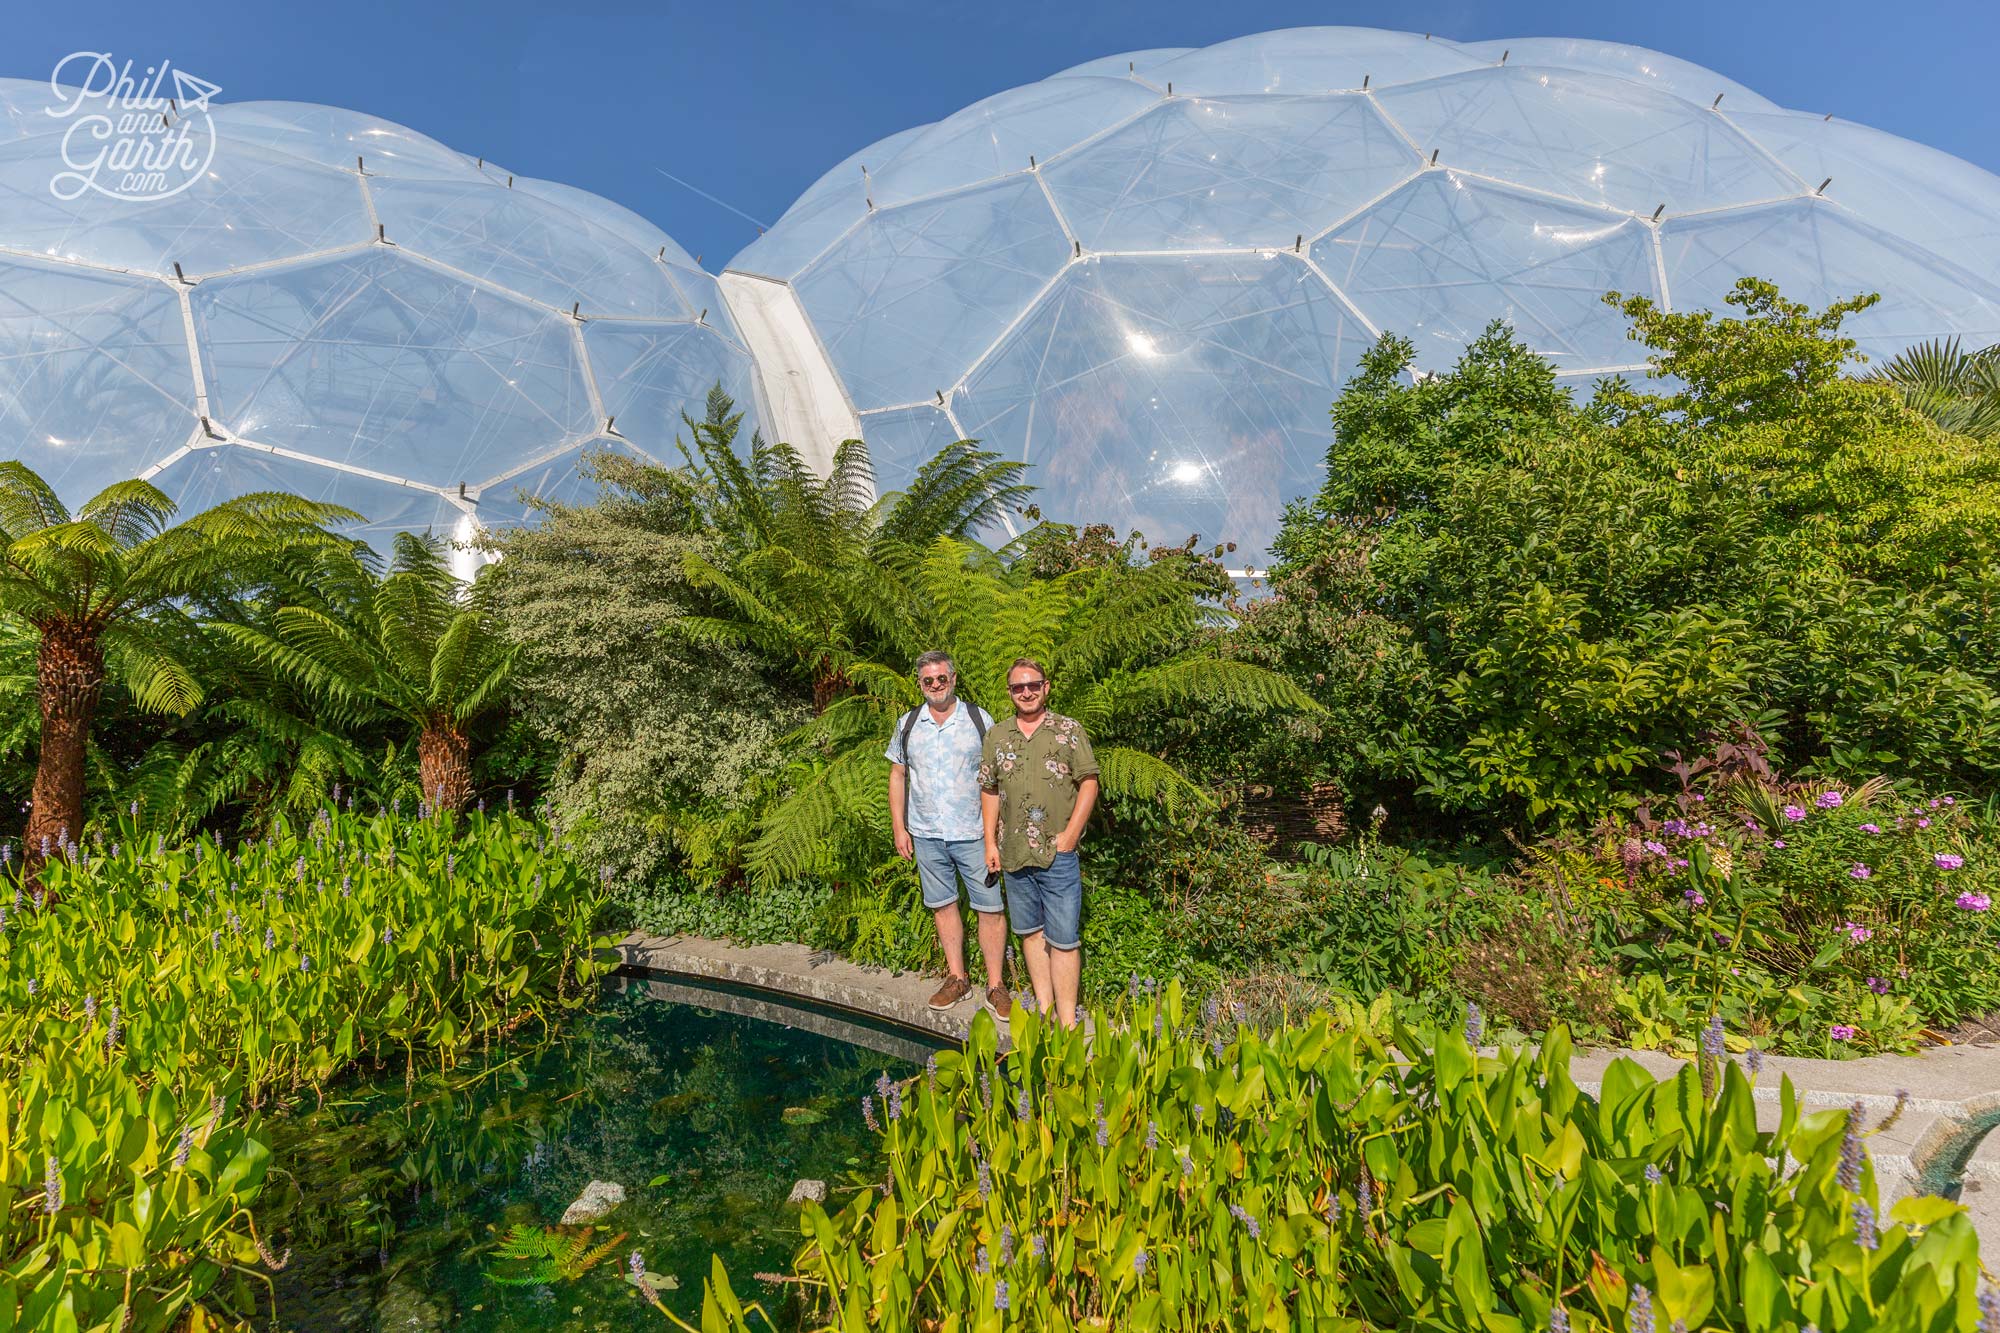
(941,864)
(1050,901)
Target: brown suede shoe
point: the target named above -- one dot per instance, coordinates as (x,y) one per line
(1000,1002)
(949,994)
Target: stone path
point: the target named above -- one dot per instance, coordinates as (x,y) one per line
(1953,1090)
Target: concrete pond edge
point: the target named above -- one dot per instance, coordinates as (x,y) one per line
(1951,1093)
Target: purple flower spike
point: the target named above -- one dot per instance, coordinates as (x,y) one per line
(1639,1314)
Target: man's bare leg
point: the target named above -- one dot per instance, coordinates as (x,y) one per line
(993,946)
(951,936)
(1035,952)
(1066,973)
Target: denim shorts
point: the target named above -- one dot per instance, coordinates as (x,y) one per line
(941,864)
(1050,901)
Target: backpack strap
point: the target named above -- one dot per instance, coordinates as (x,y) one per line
(972,710)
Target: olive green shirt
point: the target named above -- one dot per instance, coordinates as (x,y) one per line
(1036,778)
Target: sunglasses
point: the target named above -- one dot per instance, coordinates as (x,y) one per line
(1026,687)
(934,680)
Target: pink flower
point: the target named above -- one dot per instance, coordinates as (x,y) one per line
(1841,1032)
(1934,802)
(1695,897)
(1949,801)
(1879,986)
(1777,842)
(1794,813)
(1974,902)
(1829,800)
(1870,828)
(1857,932)
(1948,861)
(1859,871)
(1923,823)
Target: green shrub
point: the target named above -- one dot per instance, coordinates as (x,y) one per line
(669,905)
(160,998)
(1387,919)
(1526,600)
(1126,934)
(1350,1173)
(1220,899)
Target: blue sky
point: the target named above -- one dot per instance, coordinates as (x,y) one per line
(752,101)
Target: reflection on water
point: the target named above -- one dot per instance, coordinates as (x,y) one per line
(393,1197)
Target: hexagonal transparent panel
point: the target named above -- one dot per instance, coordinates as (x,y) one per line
(388,364)
(95,381)
(909,300)
(333,136)
(1239,171)
(1444,256)
(1171,395)
(1126,64)
(1932,198)
(1310,60)
(616,219)
(205,477)
(251,206)
(1591,137)
(902,440)
(25,105)
(1818,253)
(698,288)
(557,480)
(999,135)
(1668,73)
(835,204)
(528,245)
(650,374)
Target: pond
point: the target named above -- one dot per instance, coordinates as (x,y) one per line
(705,1103)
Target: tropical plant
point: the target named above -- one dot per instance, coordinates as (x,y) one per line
(1531,599)
(1121,642)
(413,643)
(107,591)
(1957,389)
(1349,1171)
(532,1256)
(645,725)
(812,572)
(158,997)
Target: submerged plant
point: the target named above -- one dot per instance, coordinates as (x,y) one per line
(532,1256)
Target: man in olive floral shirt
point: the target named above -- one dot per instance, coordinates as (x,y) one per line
(1038,780)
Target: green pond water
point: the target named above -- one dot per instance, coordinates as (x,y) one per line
(706,1104)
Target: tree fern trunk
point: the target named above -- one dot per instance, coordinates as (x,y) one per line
(69,680)
(444,765)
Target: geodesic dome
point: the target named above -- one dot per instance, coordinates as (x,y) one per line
(1151,274)
(342,308)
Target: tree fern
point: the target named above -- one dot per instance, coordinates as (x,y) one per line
(830,817)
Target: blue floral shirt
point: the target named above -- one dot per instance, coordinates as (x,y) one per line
(943,769)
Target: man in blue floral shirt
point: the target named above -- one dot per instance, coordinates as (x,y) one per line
(1039,779)
(934,811)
